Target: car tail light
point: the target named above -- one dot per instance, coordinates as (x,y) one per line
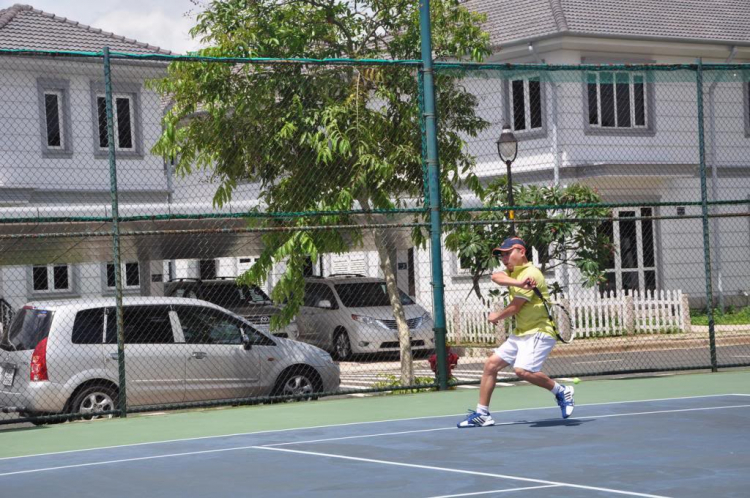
(39,361)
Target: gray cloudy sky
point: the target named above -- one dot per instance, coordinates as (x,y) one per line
(159,22)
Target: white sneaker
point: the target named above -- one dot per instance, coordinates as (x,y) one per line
(476,419)
(565,401)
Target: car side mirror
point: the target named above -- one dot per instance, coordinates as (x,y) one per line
(325,304)
(246,343)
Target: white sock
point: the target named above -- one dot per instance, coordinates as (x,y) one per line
(557,389)
(482,409)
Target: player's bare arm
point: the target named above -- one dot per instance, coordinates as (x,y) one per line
(513,308)
(502,278)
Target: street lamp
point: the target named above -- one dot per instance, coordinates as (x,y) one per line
(507,149)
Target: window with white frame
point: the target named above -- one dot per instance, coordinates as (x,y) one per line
(122,119)
(525,104)
(129,273)
(633,264)
(617,100)
(51,278)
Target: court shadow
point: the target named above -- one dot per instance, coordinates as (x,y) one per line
(570,422)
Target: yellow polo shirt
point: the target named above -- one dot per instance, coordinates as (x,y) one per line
(533,317)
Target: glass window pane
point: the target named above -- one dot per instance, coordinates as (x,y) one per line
(88,327)
(111,275)
(143,325)
(535,103)
(39,277)
(639,100)
(623,100)
(519,107)
(628,241)
(650,276)
(647,235)
(101,111)
(61,277)
(630,280)
(207,326)
(52,111)
(124,131)
(593,101)
(607,99)
(207,269)
(131,275)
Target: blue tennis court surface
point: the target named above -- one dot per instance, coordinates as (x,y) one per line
(681,447)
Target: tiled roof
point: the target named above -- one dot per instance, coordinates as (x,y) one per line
(24,27)
(711,20)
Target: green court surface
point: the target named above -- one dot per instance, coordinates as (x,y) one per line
(243,420)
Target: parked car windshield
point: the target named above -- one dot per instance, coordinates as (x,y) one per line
(29,326)
(367,294)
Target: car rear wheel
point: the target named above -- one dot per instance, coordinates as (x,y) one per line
(342,347)
(91,401)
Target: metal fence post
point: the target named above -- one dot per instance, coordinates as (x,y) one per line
(122,396)
(704,211)
(433,166)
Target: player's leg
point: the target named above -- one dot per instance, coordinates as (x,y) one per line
(492,367)
(501,358)
(533,350)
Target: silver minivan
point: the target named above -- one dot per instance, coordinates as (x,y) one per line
(61,357)
(351,315)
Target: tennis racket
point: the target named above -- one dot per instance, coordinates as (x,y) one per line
(560,318)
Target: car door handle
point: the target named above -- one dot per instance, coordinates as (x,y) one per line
(199,355)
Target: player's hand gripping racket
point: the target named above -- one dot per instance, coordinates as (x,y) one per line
(560,319)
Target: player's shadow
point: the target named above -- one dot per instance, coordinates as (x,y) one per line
(569,422)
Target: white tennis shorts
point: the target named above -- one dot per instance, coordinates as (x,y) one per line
(527,352)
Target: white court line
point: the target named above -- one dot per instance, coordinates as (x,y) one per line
(498,491)
(274,431)
(458,471)
(518,422)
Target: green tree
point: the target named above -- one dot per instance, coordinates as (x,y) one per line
(322,138)
(561,236)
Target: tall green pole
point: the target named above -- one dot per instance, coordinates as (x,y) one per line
(433,170)
(122,397)
(704,208)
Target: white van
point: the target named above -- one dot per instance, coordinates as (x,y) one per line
(61,357)
(352,315)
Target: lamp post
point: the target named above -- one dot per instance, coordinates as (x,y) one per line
(507,149)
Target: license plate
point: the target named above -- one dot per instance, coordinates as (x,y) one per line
(7,374)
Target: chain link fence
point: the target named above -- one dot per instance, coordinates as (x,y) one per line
(185,231)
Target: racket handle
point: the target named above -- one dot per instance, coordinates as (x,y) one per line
(538,292)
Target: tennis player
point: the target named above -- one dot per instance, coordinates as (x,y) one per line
(531,341)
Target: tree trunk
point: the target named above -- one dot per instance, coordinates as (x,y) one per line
(404,337)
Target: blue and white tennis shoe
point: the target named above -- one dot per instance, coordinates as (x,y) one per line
(476,419)
(565,401)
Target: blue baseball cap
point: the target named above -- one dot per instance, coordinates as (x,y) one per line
(509,244)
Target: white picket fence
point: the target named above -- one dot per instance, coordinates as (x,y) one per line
(593,315)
